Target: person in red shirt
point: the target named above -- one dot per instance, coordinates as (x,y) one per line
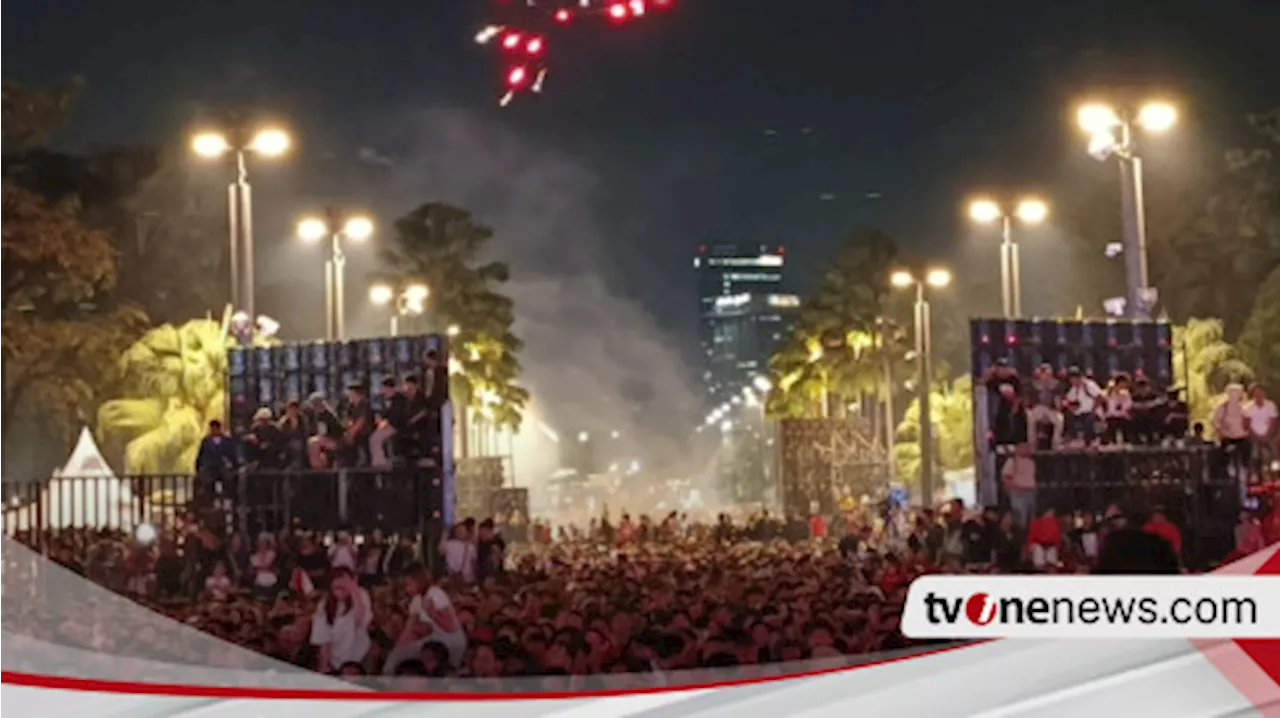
(1161,526)
(817,527)
(1044,535)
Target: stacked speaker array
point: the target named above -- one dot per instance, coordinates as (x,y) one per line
(1099,348)
(273,376)
(407,498)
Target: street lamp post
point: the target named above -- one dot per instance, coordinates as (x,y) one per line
(269,142)
(936,278)
(1027,211)
(355,228)
(406,301)
(1112,133)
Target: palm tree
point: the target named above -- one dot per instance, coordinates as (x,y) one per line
(174,380)
(952,418)
(837,349)
(443,246)
(1207,363)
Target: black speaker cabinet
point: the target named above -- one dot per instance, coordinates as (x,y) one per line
(1100,348)
(273,376)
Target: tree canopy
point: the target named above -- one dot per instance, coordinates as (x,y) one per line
(841,337)
(60,321)
(951,410)
(446,248)
(1204,359)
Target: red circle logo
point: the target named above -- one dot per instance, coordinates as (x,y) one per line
(980,609)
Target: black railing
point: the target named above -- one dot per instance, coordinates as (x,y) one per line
(402,500)
(1193,486)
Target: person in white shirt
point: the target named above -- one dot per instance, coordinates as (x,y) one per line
(1232,426)
(459,553)
(431,618)
(1117,409)
(218,583)
(1264,426)
(340,626)
(343,553)
(1082,405)
(1019,477)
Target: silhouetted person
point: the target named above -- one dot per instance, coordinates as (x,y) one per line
(1133,551)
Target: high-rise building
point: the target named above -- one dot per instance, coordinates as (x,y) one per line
(743,312)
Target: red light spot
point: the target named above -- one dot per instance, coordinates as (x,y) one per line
(563,16)
(1111,342)
(618,11)
(511,40)
(782,250)
(702,249)
(1011,339)
(637,8)
(663,4)
(534,46)
(985,339)
(517,76)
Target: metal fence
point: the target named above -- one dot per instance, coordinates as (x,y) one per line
(397,500)
(1196,487)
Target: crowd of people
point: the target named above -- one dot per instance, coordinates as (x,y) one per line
(638,597)
(1068,408)
(397,426)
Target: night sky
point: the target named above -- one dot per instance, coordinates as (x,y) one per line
(650,138)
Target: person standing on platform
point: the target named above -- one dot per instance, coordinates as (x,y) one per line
(1019,478)
(1263,428)
(1046,392)
(1232,426)
(216,463)
(359,426)
(1082,403)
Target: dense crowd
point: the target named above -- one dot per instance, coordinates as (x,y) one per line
(396,426)
(632,597)
(1068,407)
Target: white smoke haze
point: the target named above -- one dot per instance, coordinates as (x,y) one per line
(594,360)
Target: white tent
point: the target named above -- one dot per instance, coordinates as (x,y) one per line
(85,492)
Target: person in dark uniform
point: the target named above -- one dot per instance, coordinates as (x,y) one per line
(359,427)
(216,463)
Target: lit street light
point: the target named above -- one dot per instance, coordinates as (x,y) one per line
(1027,211)
(267,142)
(356,228)
(1111,133)
(936,278)
(405,301)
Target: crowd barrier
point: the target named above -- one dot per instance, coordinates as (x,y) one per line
(402,500)
(1195,486)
